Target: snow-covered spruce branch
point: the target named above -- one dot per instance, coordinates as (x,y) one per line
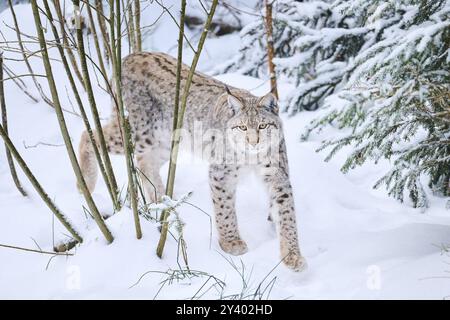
(396,105)
(319,45)
(167,210)
(169,205)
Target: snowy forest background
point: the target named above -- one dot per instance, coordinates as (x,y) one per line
(364,92)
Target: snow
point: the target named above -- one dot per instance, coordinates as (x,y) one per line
(359,243)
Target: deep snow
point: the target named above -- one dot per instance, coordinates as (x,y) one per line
(359,242)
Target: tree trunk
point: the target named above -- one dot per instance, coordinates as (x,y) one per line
(270,48)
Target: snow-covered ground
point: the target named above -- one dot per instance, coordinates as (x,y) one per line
(359,243)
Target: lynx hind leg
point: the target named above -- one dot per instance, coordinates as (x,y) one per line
(149,162)
(88,162)
(222,181)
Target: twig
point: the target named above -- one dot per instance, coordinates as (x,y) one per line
(41,144)
(19,83)
(38,187)
(25,58)
(176,22)
(36,251)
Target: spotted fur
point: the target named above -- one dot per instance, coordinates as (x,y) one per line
(243,131)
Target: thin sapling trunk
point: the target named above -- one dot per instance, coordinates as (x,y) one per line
(180,117)
(69,52)
(126,134)
(79,102)
(270,47)
(137,27)
(9,158)
(95,114)
(63,127)
(37,186)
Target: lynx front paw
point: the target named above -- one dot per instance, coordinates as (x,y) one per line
(234,247)
(295,262)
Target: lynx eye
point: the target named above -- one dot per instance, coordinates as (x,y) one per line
(243,128)
(262,126)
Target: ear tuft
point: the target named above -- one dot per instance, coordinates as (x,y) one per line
(269,101)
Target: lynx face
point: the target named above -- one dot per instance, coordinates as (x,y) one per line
(255,126)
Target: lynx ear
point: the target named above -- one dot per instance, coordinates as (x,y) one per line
(226,106)
(269,102)
(233,102)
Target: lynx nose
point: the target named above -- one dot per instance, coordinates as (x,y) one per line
(252,139)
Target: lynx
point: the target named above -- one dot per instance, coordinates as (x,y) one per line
(243,132)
